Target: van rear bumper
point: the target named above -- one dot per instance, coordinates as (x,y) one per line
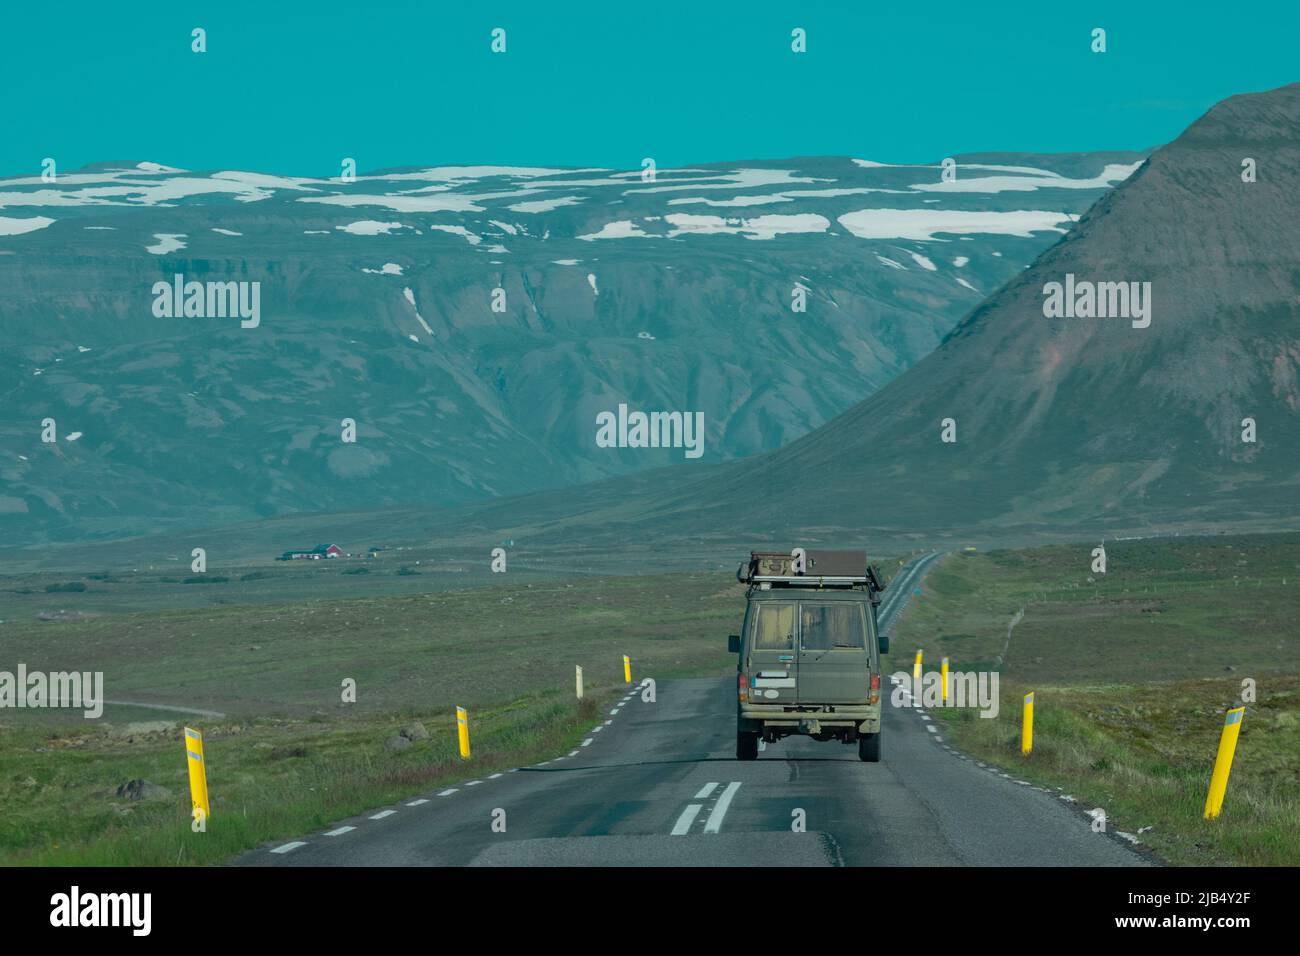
(754,717)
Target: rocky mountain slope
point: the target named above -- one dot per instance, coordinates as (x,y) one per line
(376,304)
(1098,423)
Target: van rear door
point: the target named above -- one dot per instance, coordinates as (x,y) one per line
(834,659)
(771,648)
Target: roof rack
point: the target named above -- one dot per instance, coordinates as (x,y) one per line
(822,569)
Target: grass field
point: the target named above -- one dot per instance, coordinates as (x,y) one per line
(289,755)
(1132,669)
(1132,672)
(473,646)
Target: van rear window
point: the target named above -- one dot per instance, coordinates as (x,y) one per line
(774,627)
(828,626)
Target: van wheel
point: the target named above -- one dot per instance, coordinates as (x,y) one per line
(746,746)
(869,747)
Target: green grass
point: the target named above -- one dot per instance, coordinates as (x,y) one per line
(477,646)
(506,652)
(267,778)
(1132,672)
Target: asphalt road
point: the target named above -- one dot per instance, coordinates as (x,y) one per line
(658,784)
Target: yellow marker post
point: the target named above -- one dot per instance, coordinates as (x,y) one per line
(627,669)
(578,681)
(198,772)
(916,668)
(462,732)
(1223,762)
(943,673)
(1027,726)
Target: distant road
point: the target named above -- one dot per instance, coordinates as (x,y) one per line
(658,784)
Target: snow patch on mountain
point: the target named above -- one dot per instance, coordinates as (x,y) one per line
(545,205)
(369,227)
(410,297)
(1034,179)
(10,226)
(438,202)
(619,229)
(760,227)
(468,236)
(925,224)
(167,242)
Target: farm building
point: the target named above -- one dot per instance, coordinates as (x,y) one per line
(313,554)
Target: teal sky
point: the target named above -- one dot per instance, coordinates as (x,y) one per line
(294,87)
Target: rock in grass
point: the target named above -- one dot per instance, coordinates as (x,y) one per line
(396,743)
(139,789)
(414,731)
(143,728)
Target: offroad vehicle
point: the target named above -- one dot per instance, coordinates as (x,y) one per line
(809,650)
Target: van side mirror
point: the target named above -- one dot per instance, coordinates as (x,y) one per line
(733,643)
(883,641)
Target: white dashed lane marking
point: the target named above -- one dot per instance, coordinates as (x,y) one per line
(416,803)
(705,790)
(381,814)
(448,792)
(289,847)
(683,824)
(714,823)
(340,831)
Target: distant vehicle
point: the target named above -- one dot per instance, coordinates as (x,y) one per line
(809,651)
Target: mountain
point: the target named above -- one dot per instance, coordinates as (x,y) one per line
(1063,425)
(375,303)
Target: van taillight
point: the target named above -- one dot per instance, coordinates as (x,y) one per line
(742,687)
(875,688)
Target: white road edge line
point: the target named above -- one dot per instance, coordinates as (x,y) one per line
(340,831)
(714,823)
(381,814)
(288,847)
(416,803)
(447,793)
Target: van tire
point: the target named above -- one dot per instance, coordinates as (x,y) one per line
(746,746)
(869,748)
